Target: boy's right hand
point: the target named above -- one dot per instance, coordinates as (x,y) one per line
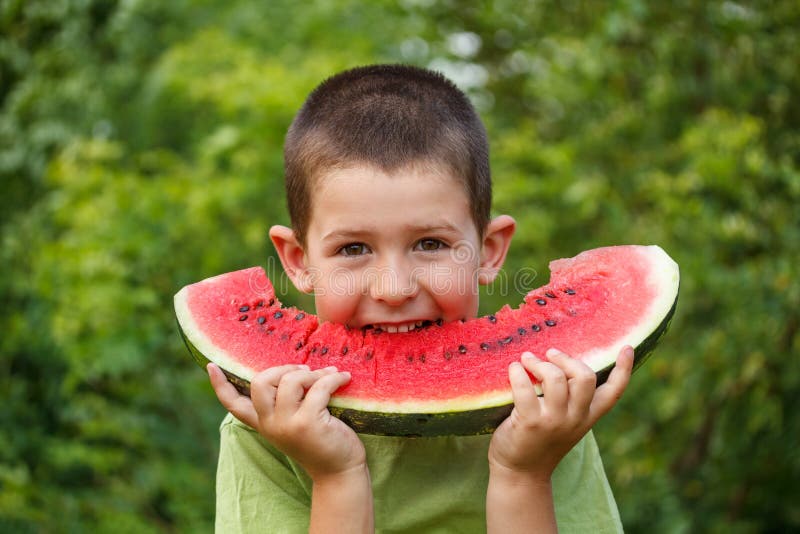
(288,406)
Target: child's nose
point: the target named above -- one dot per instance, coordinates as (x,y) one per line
(394,283)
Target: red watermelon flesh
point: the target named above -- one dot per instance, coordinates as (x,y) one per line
(594,304)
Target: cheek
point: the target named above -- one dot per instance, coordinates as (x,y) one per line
(455,287)
(336,296)
(460,277)
(333,309)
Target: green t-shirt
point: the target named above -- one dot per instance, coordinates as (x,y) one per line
(419,485)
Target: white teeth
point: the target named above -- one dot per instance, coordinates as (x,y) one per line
(393,329)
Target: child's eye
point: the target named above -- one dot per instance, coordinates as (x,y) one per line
(354,249)
(429,245)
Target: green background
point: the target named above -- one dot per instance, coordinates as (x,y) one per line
(140,150)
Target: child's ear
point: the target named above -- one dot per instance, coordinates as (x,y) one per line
(292,257)
(496,241)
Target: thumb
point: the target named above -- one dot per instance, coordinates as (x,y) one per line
(227,394)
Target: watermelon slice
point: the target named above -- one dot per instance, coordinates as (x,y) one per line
(442,378)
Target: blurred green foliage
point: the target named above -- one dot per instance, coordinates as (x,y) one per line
(140,143)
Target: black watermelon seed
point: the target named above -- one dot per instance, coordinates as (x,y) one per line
(260,304)
(462,349)
(484,346)
(492,319)
(550,322)
(271,302)
(569,291)
(344,350)
(243,318)
(541,302)
(313,350)
(262,320)
(278,315)
(506,340)
(410,359)
(299,345)
(422,358)
(299,316)
(448,355)
(244,309)
(439,321)
(324,350)
(521,331)
(549,294)
(536,328)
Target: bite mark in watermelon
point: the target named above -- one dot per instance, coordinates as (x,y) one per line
(444,378)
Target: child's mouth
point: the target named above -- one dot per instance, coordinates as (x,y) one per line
(394,328)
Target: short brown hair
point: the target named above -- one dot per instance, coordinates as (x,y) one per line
(388,116)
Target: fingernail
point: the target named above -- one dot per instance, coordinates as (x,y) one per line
(527,356)
(552,352)
(304,366)
(346,374)
(330,368)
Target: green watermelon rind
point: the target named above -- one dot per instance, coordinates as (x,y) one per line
(482,420)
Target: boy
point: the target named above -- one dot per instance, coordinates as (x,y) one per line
(388,184)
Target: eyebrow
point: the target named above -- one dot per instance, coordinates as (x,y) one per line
(359,233)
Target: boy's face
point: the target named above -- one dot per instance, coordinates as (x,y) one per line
(392,251)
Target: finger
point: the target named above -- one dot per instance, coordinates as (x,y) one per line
(233,401)
(581,381)
(609,393)
(264,386)
(526,401)
(554,385)
(292,389)
(319,394)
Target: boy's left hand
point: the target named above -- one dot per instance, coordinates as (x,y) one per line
(541,430)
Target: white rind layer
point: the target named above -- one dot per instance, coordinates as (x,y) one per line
(457,404)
